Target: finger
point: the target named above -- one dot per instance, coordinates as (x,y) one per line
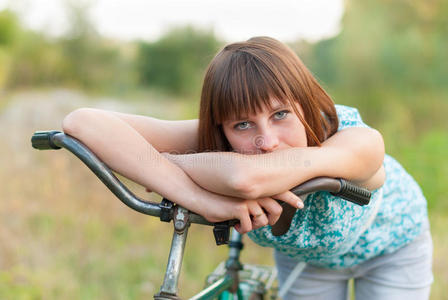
(273,210)
(290,198)
(245,222)
(259,218)
(255,209)
(238,227)
(260,221)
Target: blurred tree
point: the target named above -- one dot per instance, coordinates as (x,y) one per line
(176,62)
(397,42)
(389,52)
(9,29)
(90,61)
(81,58)
(391,62)
(36,61)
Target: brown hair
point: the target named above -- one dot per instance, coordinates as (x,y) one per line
(243,77)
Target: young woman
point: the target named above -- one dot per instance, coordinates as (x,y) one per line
(265,126)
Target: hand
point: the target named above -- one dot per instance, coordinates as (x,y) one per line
(263,211)
(271,209)
(252,214)
(290,198)
(218,208)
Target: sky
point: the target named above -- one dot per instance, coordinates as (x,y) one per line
(232,20)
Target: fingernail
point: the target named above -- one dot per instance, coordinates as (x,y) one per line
(300,204)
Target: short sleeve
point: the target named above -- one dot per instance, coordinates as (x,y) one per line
(349,117)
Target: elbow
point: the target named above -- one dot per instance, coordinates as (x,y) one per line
(72,123)
(374,182)
(244,185)
(378,149)
(244,189)
(371,152)
(379,178)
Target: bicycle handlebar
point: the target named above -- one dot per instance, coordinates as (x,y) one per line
(53,140)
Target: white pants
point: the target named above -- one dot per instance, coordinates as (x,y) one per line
(404,274)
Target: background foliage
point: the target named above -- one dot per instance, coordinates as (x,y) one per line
(58,240)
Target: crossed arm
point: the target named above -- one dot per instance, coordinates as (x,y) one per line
(355,154)
(130,145)
(221,186)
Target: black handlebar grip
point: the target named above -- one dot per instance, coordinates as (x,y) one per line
(42,140)
(353,193)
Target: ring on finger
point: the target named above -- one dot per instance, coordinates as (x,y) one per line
(258,215)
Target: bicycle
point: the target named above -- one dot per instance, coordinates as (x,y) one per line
(231,279)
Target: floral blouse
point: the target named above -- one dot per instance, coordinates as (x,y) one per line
(330,232)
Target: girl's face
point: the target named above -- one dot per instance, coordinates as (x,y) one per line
(267,130)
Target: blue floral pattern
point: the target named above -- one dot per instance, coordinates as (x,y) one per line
(329,231)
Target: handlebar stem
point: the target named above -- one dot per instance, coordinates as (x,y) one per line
(171,280)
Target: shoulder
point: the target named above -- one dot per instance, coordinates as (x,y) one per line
(346,111)
(349,117)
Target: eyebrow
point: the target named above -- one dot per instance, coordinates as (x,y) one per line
(279,106)
(243,117)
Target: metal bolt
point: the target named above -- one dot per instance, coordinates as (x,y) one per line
(178,225)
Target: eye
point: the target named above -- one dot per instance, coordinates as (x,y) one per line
(281,114)
(242,125)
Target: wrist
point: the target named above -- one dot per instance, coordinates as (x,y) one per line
(196,199)
(328,161)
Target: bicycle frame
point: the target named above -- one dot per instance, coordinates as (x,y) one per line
(230,280)
(226,285)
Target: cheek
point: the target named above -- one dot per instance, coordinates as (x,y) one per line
(301,138)
(295,136)
(240,143)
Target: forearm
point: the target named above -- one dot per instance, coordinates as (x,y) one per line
(125,151)
(251,176)
(366,149)
(254,176)
(374,182)
(213,171)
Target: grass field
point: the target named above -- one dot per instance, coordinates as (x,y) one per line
(64,236)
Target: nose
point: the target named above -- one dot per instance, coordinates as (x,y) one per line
(267,141)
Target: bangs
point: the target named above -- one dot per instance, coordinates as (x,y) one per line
(244,85)
(244,78)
